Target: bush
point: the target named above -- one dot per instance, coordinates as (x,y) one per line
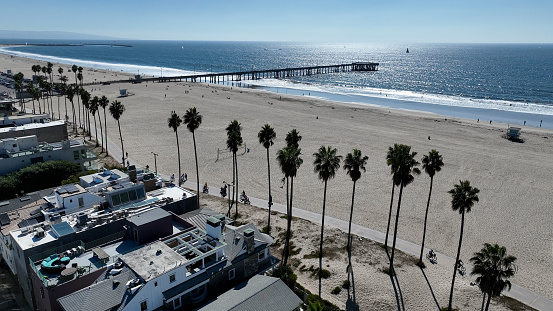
(336,290)
(346,284)
(36,177)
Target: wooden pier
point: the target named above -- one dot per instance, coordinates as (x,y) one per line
(284,73)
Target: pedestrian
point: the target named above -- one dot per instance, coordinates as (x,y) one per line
(185,177)
(524,122)
(490,121)
(540,122)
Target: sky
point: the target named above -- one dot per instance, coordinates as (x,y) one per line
(432,21)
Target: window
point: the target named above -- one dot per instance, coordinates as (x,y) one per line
(81,202)
(231,274)
(140,193)
(144,305)
(176,303)
(261,256)
(172,278)
(124,197)
(83,153)
(75,155)
(132,195)
(116,199)
(14,146)
(37,160)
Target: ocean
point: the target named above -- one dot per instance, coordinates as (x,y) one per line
(509,83)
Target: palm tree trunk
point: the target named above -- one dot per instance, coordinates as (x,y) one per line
(106,127)
(178,156)
(33,106)
(321,243)
(395,230)
(349,227)
(79,110)
(456,261)
(66,117)
(389,217)
(270,197)
(96,131)
(74,118)
(289,221)
(59,114)
(237,189)
(425,219)
(489,300)
(89,130)
(197,170)
(284,253)
(123,149)
(101,131)
(231,193)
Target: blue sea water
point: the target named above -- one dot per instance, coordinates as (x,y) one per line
(503,82)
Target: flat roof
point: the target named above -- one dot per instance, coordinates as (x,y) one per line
(148,263)
(29,126)
(148,216)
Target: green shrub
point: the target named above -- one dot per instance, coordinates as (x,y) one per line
(346,284)
(336,290)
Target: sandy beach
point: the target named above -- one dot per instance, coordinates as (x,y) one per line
(513,178)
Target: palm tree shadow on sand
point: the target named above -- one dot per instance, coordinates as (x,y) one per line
(397,289)
(351,303)
(431,290)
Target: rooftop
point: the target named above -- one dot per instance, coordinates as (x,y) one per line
(258,293)
(30,126)
(149,216)
(152,260)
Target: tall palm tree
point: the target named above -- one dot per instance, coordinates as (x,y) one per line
(463,197)
(289,161)
(493,267)
(174,122)
(431,164)
(85,98)
(104,103)
(193,119)
(70,93)
(18,84)
(325,166)
(116,110)
(31,89)
(60,71)
(266,137)
(64,80)
(74,69)
(41,87)
(403,167)
(354,164)
(49,71)
(234,140)
(390,155)
(293,139)
(93,107)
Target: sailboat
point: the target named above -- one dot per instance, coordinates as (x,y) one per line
(407,50)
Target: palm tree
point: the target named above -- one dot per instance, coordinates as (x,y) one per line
(104,103)
(64,80)
(390,155)
(463,197)
(85,98)
(493,267)
(193,119)
(74,69)
(431,164)
(50,86)
(266,137)
(293,139)
(354,164)
(93,107)
(403,166)
(31,89)
(70,93)
(18,79)
(289,161)
(80,77)
(325,165)
(174,122)
(234,140)
(116,110)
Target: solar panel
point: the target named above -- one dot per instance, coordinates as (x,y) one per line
(61,190)
(63,228)
(4,219)
(27,223)
(71,188)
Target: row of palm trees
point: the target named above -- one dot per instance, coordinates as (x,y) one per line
(492,268)
(91,105)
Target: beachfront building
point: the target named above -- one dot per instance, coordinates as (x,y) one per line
(190,266)
(7,107)
(17,153)
(50,132)
(74,220)
(23,118)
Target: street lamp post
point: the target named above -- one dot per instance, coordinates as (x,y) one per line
(155,161)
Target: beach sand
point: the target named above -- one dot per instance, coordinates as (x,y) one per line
(513,178)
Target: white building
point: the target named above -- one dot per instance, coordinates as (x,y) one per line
(17,153)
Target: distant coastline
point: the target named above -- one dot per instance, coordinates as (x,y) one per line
(67,44)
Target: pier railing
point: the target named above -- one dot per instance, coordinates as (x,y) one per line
(282,73)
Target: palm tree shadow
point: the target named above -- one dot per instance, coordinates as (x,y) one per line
(397,291)
(431,290)
(351,303)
